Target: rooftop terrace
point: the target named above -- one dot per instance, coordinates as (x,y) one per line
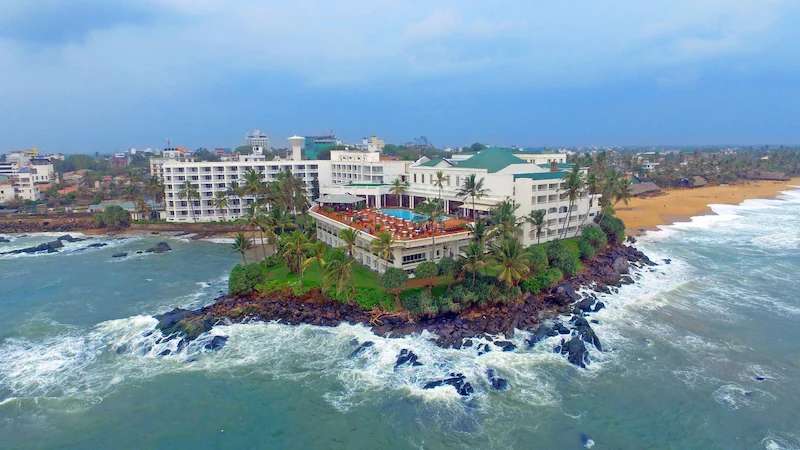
(372,221)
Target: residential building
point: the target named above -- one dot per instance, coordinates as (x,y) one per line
(7,193)
(24,186)
(315,145)
(42,171)
(257,139)
(168,154)
(8,168)
(373,144)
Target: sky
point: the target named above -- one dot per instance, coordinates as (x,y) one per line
(106,75)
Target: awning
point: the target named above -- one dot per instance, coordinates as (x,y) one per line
(340,199)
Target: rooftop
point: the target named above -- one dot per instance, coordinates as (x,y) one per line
(492,159)
(372,221)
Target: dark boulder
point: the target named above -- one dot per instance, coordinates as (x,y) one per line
(566,292)
(119,255)
(406,357)
(598,306)
(560,328)
(164,352)
(4,240)
(161,247)
(360,349)
(506,346)
(586,332)
(483,349)
(620,265)
(500,384)
(667,261)
(69,238)
(545,330)
(457,380)
(575,350)
(47,247)
(216,343)
(585,305)
(96,245)
(467,343)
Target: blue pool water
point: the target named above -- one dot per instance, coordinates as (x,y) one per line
(405,214)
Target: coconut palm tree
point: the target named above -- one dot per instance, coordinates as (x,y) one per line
(382,246)
(142,208)
(536,218)
(255,220)
(622,191)
(339,273)
(220,202)
(294,249)
(318,251)
(473,189)
(574,185)
(190,193)
(348,236)
(510,258)
(242,244)
(398,188)
(473,259)
(480,231)
(439,182)
(155,189)
(433,209)
(504,218)
(253,185)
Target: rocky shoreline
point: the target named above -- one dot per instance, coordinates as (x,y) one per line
(536,314)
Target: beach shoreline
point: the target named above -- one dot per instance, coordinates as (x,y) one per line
(644,214)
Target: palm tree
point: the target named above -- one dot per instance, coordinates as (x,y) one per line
(504,217)
(479,230)
(220,202)
(294,251)
(439,182)
(622,191)
(382,245)
(253,185)
(433,209)
(142,208)
(510,258)
(536,218)
(474,260)
(189,192)
(339,272)
(398,188)
(318,251)
(155,189)
(242,244)
(255,220)
(472,189)
(348,236)
(575,183)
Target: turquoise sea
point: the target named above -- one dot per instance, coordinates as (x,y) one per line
(701,353)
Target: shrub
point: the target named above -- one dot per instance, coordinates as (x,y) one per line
(410,300)
(369,298)
(562,258)
(244,279)
(427,269)
(112,217)
(427,305)
(595,236)
(538,258)
(447,266)
(586,248)
(393,278)
(613,227)
(542,281)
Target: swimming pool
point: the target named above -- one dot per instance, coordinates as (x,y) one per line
(407,214)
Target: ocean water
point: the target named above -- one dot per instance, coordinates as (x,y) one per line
(702,353)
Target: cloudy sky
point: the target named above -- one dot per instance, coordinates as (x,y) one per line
(103,75)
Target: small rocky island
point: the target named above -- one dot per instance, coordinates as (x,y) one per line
(537,314)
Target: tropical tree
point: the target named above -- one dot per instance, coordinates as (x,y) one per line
(190,193)
(480,231)
(293,250)
(398,188)
(472,188)
(242,244)
(393,280)
(339,273)
(253,185)
(574,185)
(318,251)
(255,220)
(504,218)
(510,257)
(142,208)
(622,191)
(473,260)
(536,218)
(382,246)
(433,209)
(439,182)
(154,189)
(348,236)
(220,202)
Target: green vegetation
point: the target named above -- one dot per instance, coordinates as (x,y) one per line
(113,217)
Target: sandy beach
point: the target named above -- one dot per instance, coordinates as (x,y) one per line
(675,205)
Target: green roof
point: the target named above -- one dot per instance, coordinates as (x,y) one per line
(541,175)
(432,162)
(492,159)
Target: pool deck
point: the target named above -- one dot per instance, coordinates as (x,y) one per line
(372,221)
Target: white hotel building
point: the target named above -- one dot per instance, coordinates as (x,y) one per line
(532,180)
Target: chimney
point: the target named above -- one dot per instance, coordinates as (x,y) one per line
(553,166)
(296,144)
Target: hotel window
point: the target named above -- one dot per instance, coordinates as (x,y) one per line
(415,178)
(408,259)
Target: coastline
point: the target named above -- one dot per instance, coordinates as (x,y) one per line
(643,214)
